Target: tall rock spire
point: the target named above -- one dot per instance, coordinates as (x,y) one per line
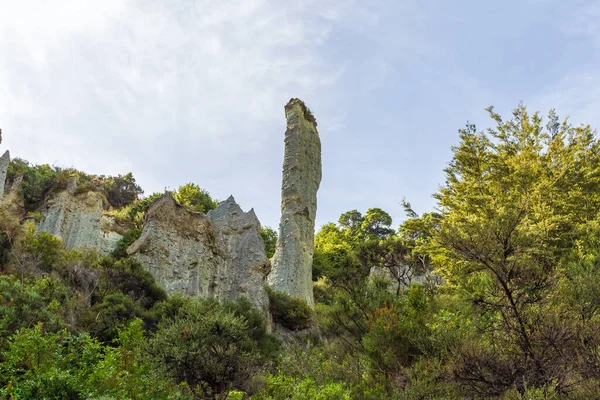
(292,263)
(4,161)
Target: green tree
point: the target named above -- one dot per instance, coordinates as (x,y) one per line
(514,200)
(205,346)
(192,196)
(269,236)
(122,190)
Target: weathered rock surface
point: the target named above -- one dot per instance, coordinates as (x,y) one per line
(4,161)
(238,235)
(178,247)
(218,256)
(79,221)
(292,262)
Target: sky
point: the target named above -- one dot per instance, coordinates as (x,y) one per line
(194,91)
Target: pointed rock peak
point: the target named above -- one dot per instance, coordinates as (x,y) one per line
(305,112)
(166,199)
(4,162)
(225,209)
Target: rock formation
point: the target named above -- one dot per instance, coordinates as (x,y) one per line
(238,235)
(220,255)
(292,262)
(4,161)
(178,247)
(78,219)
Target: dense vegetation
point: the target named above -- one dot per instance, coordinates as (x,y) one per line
(494,295)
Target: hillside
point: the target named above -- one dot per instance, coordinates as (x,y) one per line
(109,294)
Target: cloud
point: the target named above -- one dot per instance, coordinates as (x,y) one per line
(577,93)
(175,91)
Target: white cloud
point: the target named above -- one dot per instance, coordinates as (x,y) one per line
(577,94)
(175,91)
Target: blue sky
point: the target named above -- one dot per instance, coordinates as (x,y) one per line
(193,91)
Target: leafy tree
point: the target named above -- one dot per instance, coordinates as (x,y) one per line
(269,236)
(376,224)
(129,237)
(291,312)
(122,190)
(509,216)
(204,346)
(192,196)
(351,221)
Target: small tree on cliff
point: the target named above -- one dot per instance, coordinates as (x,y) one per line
(192,196)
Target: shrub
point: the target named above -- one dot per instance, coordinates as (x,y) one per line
(197,199)
(289,388)
(38,364)
(128,238)
(205,346)
(289,311)
(38,181)
(121,190)
(128,276)
(26,303)
(269,237)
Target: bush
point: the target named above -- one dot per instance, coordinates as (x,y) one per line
(289,388)
(205,346)
(127,240)
(269,237)
(195,198)
(133,215)
(27,303)
(44,365)
(128,276)
(291,312)
(121,190)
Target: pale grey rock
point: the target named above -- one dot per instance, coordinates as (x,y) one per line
(4,161)
(79,221)
(217,256)
(238,235)
(178,247)
(292,262)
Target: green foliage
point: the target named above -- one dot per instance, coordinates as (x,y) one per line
(133,215)
(26,303)
(205,346)
(197,199)
(45,365)
(127,240)
(516,237)
(121,190)
(515,203)
(39,181)
(289,311)
(269,236)
(285,387)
